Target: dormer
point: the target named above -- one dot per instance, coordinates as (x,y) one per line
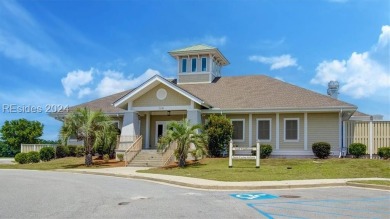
(198,64)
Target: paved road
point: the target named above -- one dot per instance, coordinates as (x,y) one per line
(39,194)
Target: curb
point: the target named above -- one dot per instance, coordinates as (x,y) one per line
(211,187)
(371,186)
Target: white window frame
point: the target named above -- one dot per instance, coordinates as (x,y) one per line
(270,129)
(291,140)
(243,130)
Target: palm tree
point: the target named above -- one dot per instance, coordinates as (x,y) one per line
(185,135)
(88,126)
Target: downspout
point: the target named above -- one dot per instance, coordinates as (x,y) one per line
(341,155)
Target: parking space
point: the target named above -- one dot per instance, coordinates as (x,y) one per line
(337,202)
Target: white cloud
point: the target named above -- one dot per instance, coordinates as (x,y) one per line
(114,82)
(107,82)
(276,62)
(74,80)
(362,74)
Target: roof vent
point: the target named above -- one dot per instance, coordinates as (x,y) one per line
(333,89)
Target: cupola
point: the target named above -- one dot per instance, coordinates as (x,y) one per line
(198,64)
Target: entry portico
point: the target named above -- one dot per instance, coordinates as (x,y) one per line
(149,108)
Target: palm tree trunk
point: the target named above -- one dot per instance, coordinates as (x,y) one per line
(182,161)
(88,159)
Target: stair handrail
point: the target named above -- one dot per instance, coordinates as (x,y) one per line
(168,152)
(133,150)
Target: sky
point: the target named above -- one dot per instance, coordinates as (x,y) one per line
(58,53)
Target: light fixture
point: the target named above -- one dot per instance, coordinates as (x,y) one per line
(169,113)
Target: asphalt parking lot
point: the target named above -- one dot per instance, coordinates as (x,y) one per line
(336,202)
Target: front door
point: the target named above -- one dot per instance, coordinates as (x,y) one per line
(161,128)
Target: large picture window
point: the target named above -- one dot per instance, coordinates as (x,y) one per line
(238,129)
(264,129)
(291,129)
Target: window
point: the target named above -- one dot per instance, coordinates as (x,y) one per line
(184,65)
(238,129)
(204,64)
(291,129)
(264,129)
(193,65)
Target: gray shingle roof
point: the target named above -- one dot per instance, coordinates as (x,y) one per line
(243,92)
(259,92)
(104,103)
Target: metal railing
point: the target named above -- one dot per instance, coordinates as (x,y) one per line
(133,150)
(168,153)
(35,147)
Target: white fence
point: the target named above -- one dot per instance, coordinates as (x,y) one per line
(374,134)
(35,147)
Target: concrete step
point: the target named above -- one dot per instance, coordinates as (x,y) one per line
(147,158)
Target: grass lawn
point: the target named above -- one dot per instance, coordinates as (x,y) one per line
(277,169)
(63,163)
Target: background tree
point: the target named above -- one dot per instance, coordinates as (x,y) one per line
(185,135)
(87,126)
(219,131)
(17,132)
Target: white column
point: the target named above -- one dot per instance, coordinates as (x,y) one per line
(340,128)
(371,140)
(305,131)
(277,132)
(130,124)
(193,115)
(250,130)
(147,131)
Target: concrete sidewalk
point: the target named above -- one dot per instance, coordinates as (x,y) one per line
(130,172)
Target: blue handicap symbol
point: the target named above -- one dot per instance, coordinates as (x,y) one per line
(253,196)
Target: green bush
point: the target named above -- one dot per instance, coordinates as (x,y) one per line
(357,149)
(265,150)
(120,157)
(33,157)
(321,149)
(47,153)
(384,152)
(62,151)
(21,158)
(219,131)
(72,150)
(80,151)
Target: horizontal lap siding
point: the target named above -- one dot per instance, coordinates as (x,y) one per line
(291,146)
(191,78)
(323,127)
(245,143)
(273,128)
(150,99)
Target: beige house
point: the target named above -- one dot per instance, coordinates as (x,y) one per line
(261,108)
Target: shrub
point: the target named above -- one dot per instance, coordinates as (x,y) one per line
(106,158)
(80,151)
(72,150)
(384,152)
(120,157)
(21,158)
(62,151)
(357,149)
(321,149)
(33,157)
(265,150)
(219,131)
(47,153)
